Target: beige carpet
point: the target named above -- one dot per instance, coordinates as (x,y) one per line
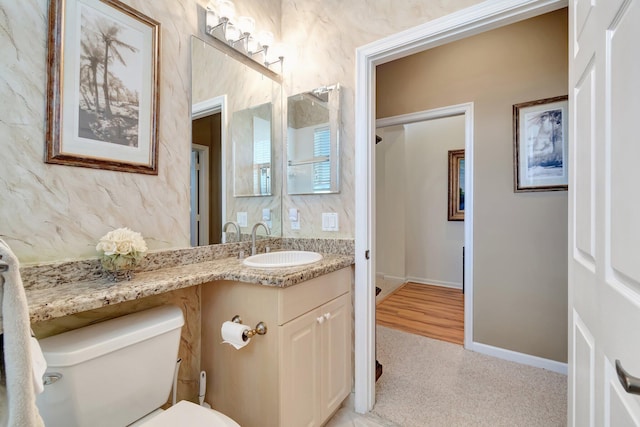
(433,383)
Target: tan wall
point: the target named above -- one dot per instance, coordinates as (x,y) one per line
(414,239)
(520,265)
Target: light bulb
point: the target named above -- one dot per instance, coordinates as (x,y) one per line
(246,24)
(232,34)
(265,38)
(276,52)
(253,46)
(226,9)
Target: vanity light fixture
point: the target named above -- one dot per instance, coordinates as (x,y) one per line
(275,54)
(219,14)
(239,33)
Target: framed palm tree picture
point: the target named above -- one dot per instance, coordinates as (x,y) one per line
(102,87)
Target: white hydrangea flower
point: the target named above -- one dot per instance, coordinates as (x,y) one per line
(121,249)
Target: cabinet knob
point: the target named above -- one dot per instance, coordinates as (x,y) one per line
(327,316)
(320,319)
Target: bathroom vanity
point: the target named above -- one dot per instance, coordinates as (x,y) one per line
(300,371)
(212,285)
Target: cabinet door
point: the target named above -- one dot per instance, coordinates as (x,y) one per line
(300,371)
(335,332)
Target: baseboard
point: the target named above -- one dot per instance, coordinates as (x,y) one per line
(522,358)
(390,278)
(442,283)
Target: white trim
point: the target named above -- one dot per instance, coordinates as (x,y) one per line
(208,107)
(214,105)
(473,20)
(421,116)
(440,283)
(522,358)
(203,197)
(393,278)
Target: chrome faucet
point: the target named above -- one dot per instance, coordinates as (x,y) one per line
(235,225)
(253,235)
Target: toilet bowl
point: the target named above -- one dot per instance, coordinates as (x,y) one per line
(119,373)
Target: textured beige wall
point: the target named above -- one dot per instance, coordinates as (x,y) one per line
(322,37)
(53,212)
(520,265)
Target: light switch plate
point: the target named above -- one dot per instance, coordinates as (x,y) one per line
(293,215)
(241,218)
(330,221)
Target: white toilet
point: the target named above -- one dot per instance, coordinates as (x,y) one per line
(118,373)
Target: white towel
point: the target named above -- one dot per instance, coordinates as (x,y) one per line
(20,393)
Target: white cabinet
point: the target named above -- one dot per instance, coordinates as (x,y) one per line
(297,374)
(315,363)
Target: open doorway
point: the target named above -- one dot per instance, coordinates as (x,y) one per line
(206,182)
(419,246)
(521,345)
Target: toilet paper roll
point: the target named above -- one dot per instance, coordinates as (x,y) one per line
(232,333)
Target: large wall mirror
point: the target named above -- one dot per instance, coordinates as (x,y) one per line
(313,134)
(236,144)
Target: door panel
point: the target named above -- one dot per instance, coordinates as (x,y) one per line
(624,87)
(584,374)
(604,267)
(585,109)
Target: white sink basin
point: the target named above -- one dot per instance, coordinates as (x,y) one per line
(282,259)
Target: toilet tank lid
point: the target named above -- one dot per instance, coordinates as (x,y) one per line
(89,342)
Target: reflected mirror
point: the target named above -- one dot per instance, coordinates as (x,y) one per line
(237,129)
(251,139)
(313,133)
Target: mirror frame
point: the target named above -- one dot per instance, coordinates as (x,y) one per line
(334,110)
(232,205)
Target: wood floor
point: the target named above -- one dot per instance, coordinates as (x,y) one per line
(431,311)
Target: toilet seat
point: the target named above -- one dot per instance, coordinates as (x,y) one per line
(186,413)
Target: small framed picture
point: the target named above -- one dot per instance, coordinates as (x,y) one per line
(540,147)
(456,185)
(102,92)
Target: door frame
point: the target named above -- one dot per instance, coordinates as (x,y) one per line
(473,20)
(202,195)
(205,108)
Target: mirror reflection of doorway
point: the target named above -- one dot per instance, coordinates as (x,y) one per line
(206,180)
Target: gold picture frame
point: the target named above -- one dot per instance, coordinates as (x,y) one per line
(456,185)
(102,86)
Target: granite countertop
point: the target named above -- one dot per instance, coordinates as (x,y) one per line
(70,298)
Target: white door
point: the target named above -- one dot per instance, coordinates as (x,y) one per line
(604,227)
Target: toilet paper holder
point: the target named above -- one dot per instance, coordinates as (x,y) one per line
(260,329)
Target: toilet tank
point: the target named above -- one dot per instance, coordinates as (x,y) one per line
(113,372)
